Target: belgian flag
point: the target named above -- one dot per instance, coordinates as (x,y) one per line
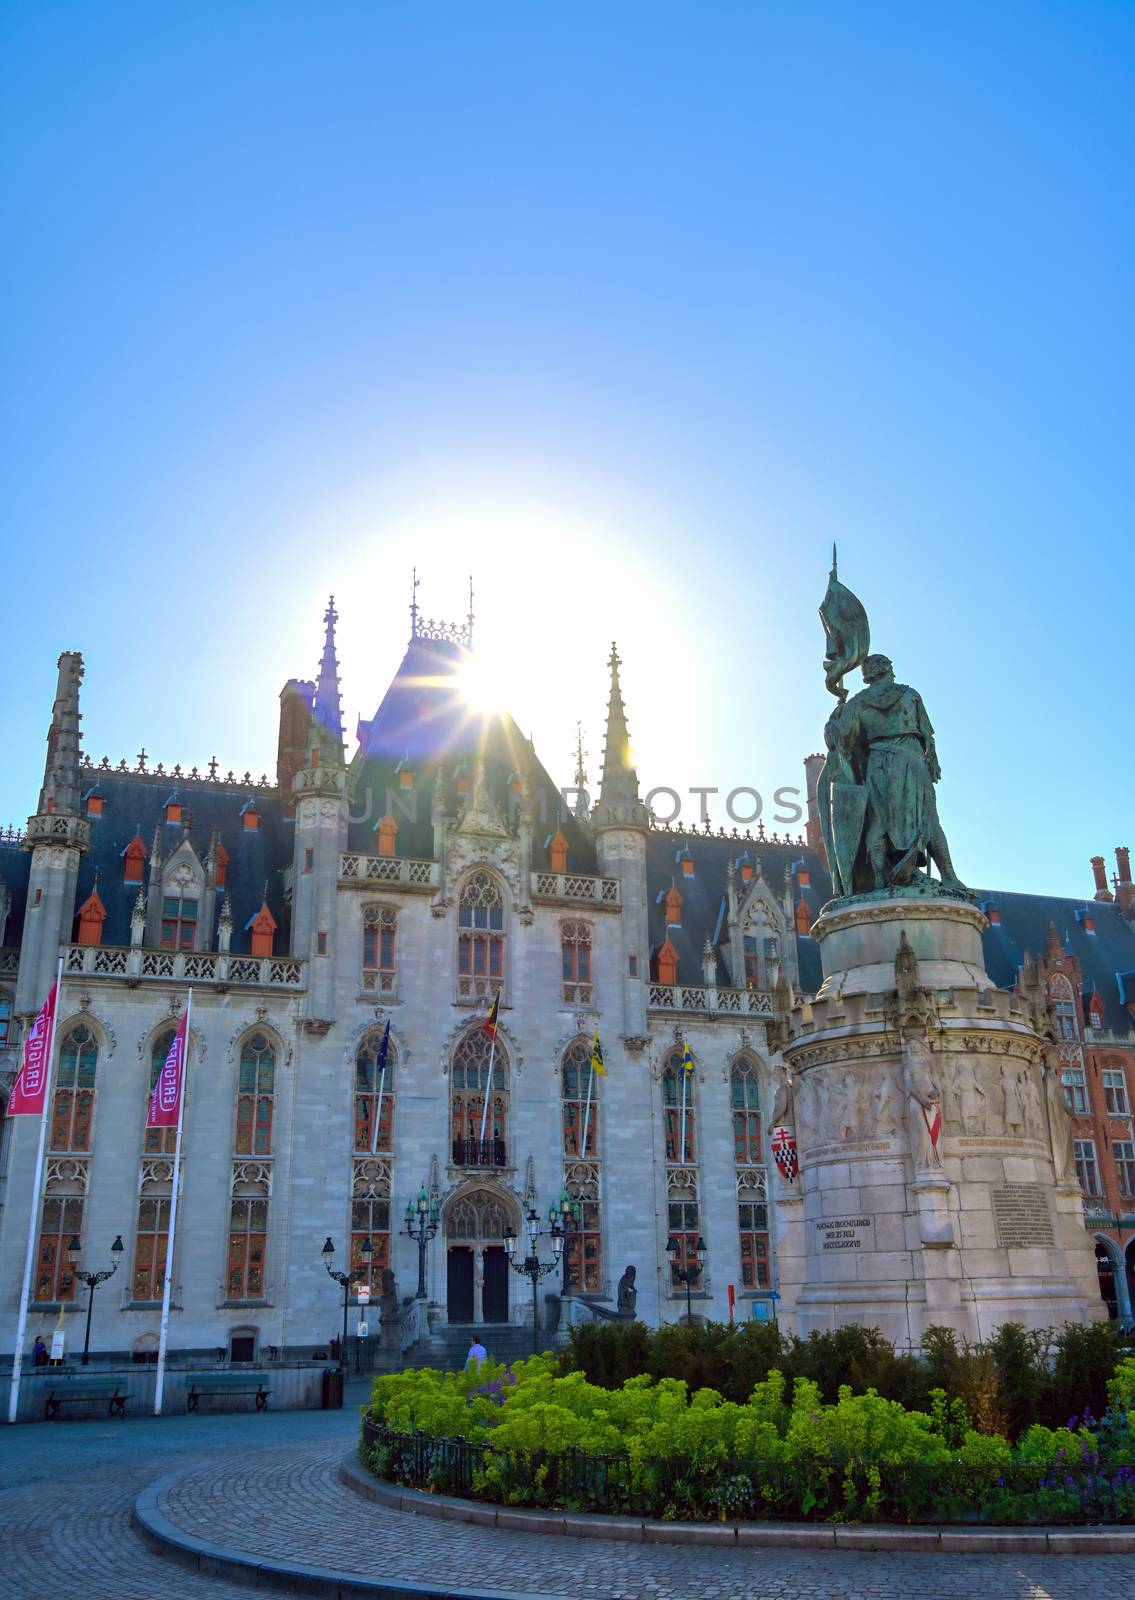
(489,1026)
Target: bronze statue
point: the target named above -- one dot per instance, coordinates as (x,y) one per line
(628,1294)
(878,813)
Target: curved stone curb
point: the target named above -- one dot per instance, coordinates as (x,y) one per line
(801,1535)
(166,1539)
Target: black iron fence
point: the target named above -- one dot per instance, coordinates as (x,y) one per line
(478,1153)
(752,1489)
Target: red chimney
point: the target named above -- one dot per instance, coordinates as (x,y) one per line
(1099,872)
(1124,888)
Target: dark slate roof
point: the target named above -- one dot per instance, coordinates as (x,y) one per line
(423,723)
(15,869)
(703,894)
(135,804)
(1103,955)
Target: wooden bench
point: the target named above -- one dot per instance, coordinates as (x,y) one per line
(83,1389)
(236,1383)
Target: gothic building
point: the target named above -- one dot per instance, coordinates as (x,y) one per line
(434,869)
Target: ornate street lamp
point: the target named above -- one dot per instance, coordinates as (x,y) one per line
(687,1275)
(571,1210)
(532,1267)
(345,1279)
(422,1218)
(92,1281)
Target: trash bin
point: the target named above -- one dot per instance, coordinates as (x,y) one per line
(332,1398)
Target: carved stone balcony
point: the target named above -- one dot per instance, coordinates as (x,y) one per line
(359,872)
(576,888)
(711,1002)
(139,965)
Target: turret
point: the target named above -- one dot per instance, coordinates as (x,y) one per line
(57,836)
(620,823)
(319,790)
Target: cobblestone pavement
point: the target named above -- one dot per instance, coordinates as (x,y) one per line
(267,1485)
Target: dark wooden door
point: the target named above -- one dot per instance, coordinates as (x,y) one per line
(459,1286)
(496,1285)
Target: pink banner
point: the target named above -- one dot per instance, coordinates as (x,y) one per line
(165,1100)
(30,1087)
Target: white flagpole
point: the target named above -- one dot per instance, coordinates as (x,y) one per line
(488,1092)
(377,1113)
(587,1110)
(33,1218)
(167,1284)
(685,1075)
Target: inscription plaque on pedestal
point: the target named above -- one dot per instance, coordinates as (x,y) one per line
(1021,1216)
(844,1233)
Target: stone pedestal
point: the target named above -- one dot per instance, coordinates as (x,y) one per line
(908,1224)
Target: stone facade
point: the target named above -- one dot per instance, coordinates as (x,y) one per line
(395,896)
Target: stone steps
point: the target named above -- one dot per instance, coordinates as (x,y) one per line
(447,1347)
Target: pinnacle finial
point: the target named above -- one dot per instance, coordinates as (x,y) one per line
(327,711)
(835,564)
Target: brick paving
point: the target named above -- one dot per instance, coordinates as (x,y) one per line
(267,1485)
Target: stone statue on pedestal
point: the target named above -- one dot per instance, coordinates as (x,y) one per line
(628,1294)
(1059,1119)
(388,1299)
(878,813)
(924,1105)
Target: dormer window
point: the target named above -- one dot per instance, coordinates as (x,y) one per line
(92,915)
(173,809)
(387,831)
(994,915)
(1087,921)
(133,860)
(262,928)
(93,802)
(803,917)
(684,861)
(405,774)
(221,865)
(249,816)
(557,851)
(745,868)
(803,876)
(666,964)
(672,907)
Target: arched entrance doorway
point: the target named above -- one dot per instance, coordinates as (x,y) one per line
(477,1271)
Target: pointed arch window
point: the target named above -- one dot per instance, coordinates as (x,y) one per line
(60,1222)
(5,1019)
(151,1241)
(469,1077)
(159,1141)
(745,1103)
(672,1117)
(370,1219)
(575,1078)
(480,937)
(380,934)
(255,1097)
(248,1241)
(74,1098)
(369,1075)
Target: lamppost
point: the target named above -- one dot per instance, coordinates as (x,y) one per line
(92,1281)
(532,1267)
(345,1279)
(689,1274)
(422,1218)
(571,1209)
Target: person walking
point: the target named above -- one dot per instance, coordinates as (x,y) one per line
(477,1354)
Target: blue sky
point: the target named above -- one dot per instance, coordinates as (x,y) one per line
(629,310)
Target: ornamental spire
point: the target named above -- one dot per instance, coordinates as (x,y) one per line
(618,787)
(61,787)
(327,715)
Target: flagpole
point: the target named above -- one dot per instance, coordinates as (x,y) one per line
(378,1113)
(167,1285)
(488,1092)
(685,1075)
(25,1287)
(587,1109)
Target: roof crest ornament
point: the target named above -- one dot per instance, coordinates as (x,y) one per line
(430,630)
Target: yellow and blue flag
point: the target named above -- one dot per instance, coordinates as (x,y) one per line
(597,1062)
(687,1057)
